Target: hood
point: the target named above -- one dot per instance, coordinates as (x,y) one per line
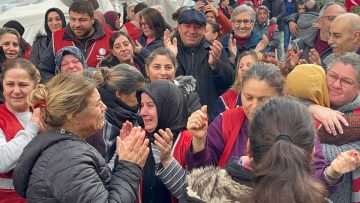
(31,153)
(212,184)
(69,50)
(62,16)
(185,83)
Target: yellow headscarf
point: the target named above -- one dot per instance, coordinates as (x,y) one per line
(308,81)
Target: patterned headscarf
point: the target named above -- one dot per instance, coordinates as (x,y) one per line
(69,50)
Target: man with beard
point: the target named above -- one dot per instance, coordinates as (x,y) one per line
(84,32)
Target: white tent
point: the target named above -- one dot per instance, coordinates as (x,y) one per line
(31,13)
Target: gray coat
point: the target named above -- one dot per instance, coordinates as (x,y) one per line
(60,167)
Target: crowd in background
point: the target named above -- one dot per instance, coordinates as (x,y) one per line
(242,101)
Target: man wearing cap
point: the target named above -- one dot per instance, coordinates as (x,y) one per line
(84,32)
(207,63)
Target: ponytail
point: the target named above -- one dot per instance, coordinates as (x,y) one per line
(282,135)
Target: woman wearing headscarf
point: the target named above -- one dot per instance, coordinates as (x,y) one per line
(164,112)
(70,60)
(113,20)
(54,20)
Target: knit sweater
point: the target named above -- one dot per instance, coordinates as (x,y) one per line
(344,192)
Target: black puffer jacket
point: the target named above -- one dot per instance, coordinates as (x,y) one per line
(60,167)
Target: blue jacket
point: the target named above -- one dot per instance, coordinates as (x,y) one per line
(251,44)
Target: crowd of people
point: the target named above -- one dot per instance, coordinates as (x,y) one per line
(242,101)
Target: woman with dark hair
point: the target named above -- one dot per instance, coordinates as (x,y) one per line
(117,87)
(212,31)
(9,49)
(54,20)
(225,8)
(25,47)
(122,51)
(152,25)
(161,65)
(113,20)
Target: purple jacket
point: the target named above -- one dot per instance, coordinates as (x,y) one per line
(214,148)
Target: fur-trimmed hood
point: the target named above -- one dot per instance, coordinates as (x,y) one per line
(186,83)
(211,184)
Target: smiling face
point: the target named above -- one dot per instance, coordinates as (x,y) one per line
(191,33)
(10,44)
(262,16)
(71,64)
(122,49)
(54,21)
(161,67)
(254,92)
(81,24)
(17,86)
(147,29)
(342,38)
(148,112)
(243,24)
(342,84)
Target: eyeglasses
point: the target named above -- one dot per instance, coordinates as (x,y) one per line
(246,22)
(345,82)
(329,18)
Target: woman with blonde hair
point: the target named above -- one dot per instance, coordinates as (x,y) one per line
(59,165)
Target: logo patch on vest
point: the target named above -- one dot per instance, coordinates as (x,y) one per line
(102,51)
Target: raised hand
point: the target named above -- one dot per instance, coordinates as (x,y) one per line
(232,48)
(172,45)
(138,47)
(293,57)
(197,125)
(214,54)
(164,142)
(135,151)
(262,44)
(345,162)
(36,118)
(125,131)
(212,8)
(314,57)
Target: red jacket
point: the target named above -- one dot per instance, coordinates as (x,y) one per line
(10,125)
(96,48)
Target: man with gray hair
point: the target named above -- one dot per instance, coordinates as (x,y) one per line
(345,34)
(314,48)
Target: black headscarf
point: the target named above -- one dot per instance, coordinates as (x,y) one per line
(170,104)
(172,113)
(62,16)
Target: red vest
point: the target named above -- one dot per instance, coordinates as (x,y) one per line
(230,98)
(94,52)
(10,125)
(232,121)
